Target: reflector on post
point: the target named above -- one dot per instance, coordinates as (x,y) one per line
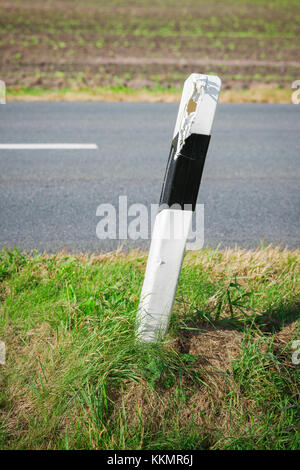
(177,202)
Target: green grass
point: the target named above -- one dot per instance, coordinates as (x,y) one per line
(156,93)
(115,89)
(222,379)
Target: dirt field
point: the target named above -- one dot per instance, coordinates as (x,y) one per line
(76,44)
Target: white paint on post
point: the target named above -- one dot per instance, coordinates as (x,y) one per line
(209,87)
(171,228)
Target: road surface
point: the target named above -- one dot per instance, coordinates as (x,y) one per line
(49,197)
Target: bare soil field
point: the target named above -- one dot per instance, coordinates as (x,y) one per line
(139,45)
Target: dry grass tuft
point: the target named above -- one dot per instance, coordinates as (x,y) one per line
(203,406)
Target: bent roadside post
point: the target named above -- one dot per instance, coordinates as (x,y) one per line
(177,202)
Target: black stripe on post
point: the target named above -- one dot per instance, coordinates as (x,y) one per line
(183,175)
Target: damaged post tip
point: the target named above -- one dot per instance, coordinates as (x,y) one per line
(190,109)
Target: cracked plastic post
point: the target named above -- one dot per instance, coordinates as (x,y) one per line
(177,202)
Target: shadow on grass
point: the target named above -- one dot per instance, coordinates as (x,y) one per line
(273,320)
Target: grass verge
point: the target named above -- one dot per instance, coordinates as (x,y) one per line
(157,94)
(222,379)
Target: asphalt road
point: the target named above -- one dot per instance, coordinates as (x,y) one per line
(48,198)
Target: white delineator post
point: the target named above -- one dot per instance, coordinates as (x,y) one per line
(177,203)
